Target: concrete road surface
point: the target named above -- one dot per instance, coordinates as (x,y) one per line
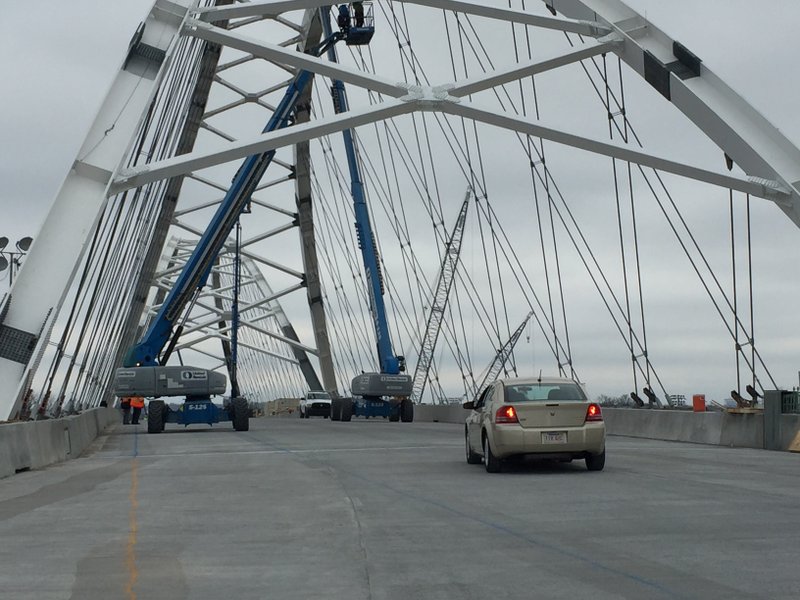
(307,509)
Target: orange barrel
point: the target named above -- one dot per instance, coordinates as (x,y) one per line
(699,403)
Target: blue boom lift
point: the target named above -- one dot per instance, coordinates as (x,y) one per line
(144,371)
(384,394)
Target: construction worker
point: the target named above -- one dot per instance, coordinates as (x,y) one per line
(125,405)
(137,404)
(358,13)
(343,19)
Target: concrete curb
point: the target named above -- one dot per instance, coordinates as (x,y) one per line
(37,444)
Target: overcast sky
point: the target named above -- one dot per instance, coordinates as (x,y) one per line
(60,58)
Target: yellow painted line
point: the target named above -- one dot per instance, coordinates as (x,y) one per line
(130,551)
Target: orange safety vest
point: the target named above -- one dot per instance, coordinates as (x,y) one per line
(137,402)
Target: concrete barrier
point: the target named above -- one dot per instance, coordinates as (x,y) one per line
(440,413)
(36,444)
(715,428)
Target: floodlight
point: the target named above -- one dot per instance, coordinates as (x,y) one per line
(3,242)
(3,263)
(24,243)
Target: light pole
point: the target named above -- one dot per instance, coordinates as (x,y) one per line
(11,260)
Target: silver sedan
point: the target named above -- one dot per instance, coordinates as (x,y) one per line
(545,417)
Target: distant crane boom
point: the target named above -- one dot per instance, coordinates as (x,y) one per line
(502,356)
(439,303)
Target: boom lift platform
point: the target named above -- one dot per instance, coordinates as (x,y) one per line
(357,22)
(144,371)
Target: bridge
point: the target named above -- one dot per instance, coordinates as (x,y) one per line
(630,221)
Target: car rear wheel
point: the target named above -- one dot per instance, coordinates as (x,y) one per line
(490,461)
(472,457)
(596,462)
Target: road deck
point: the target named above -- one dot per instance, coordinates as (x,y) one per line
(306,509)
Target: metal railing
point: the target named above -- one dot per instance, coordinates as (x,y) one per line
(790,402)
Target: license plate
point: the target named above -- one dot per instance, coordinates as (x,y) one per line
(554,437)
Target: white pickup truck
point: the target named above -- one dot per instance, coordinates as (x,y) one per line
(315,404)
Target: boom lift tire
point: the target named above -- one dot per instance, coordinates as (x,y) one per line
(336,409)
(156,416)
(406,410)
(241,415)
(394,416)
(347,409)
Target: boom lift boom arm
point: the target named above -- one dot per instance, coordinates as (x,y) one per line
(389,363)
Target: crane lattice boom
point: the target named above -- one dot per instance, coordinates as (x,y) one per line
(439,303)
(502,356)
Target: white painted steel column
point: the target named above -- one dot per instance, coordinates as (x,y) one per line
(41,286)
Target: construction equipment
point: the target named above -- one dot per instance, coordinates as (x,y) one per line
(385,393)
(439,297)
(492,371)
(144,372)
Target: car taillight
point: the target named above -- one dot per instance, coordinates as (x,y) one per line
(506,414)
(593,413)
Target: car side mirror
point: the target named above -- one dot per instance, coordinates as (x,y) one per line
(468,405)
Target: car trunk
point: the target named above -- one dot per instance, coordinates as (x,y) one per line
(561,413)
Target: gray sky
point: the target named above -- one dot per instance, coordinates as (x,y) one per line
(62,57)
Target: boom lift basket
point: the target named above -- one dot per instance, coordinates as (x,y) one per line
(362,27)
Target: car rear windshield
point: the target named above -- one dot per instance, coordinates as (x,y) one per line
(544,392)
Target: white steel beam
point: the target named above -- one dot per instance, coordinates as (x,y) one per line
(763,189)
(267,8)
(281,338)
(213,317)
(54,257)
(182,165)
(273,8)
(260,350)
(272,264)
(299,60)
(530,68)
(217,333)
(753,143)
(437,99)
(582,27)
(255,257)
